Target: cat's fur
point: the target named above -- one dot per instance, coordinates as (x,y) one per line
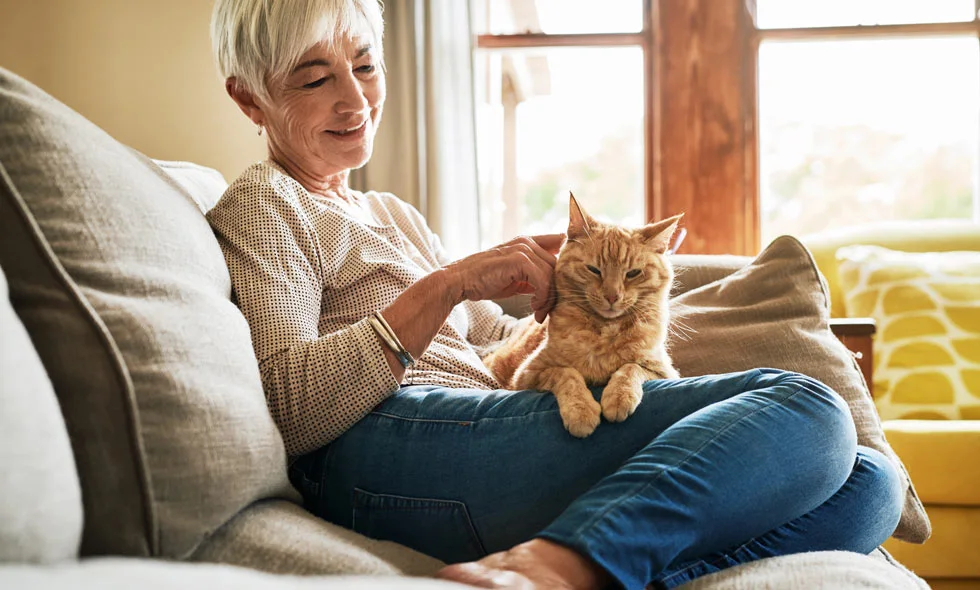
(605,329)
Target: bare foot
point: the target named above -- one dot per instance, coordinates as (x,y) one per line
(535,565)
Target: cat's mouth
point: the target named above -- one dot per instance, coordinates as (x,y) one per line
(610,314)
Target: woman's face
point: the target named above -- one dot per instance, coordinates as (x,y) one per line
(324,114)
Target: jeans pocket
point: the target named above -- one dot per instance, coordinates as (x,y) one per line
(438,528)
(305,477)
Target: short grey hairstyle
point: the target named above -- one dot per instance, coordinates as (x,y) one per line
(257,41)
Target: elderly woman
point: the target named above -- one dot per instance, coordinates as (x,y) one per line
(366,335)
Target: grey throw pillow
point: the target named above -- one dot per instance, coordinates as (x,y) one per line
(775,312)
(123,288)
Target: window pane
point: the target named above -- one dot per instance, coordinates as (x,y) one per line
(860,131)
(501,17)
(558,120)
(775,14)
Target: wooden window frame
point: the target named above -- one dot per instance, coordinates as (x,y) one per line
(701,107)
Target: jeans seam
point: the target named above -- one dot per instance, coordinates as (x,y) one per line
(712,563)
(639,488)
(466,422)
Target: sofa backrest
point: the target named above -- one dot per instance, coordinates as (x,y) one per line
(40,497)
(125,293)
(932,235)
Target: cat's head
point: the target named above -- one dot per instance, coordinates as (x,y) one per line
(613,271)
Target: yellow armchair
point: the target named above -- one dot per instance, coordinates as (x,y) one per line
(941,455)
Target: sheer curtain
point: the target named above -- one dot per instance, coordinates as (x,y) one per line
(425,150)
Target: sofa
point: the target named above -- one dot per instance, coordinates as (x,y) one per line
(940,454)
(137,449)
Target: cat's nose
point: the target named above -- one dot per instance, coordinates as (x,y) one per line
(613,297)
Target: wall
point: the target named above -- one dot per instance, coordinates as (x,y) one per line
(140,69)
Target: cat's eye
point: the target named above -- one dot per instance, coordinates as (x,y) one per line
(633,273)
(594,270)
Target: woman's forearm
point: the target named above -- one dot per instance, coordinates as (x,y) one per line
(418,314)
(318,389)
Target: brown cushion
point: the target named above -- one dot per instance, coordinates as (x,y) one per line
(124,291)
(774,312)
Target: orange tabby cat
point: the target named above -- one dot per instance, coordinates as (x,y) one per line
(609,325)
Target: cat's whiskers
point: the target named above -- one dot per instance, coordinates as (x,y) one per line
(679,329)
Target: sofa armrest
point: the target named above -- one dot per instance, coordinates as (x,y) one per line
(856,334)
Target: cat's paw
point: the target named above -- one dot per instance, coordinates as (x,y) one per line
(580,416)
(619,401)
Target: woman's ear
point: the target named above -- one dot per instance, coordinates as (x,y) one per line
(245,100)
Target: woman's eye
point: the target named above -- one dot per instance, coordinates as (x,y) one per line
(315,84)
(633,273)
(594,270)
(366,69)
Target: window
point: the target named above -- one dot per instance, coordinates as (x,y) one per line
(560,107)
(863,123)
(752,117)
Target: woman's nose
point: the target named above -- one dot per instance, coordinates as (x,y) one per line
(351,97)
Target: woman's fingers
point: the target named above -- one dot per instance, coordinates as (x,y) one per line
(540,275)
(523,265)
(550,242)
(531,243)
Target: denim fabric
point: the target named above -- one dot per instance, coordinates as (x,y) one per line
(709,472)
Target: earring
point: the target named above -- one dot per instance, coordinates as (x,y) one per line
(260,130)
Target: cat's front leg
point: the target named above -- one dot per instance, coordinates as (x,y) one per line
(579,411)
(624,391)
(663,369)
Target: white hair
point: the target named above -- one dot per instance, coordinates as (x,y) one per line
(257,41)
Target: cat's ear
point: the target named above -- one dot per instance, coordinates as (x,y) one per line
(579,221)
(657,235)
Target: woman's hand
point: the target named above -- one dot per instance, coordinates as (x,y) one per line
(525,264)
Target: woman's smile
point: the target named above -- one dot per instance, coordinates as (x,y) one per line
(350,133)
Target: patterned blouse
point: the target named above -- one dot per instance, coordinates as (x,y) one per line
(306,274)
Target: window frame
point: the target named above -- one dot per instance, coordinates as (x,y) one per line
(853,33)
(644,39)
(701,106)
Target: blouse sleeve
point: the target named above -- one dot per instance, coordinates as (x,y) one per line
(316,385)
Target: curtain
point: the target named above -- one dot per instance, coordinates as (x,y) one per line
(425,150)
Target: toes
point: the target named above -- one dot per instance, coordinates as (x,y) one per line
(618,407)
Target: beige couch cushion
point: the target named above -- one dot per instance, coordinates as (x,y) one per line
(204,185)
(154,574)
(40,497)
(122,286)
(282,538)
(820,570)
(774,312)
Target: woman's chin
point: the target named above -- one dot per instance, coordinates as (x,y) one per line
(354,157)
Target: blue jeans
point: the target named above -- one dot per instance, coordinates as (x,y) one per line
(708,473)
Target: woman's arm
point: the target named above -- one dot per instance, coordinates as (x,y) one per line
(523,265)
(318,386)
(487,321)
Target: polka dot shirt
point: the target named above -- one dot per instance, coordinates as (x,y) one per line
(307,271)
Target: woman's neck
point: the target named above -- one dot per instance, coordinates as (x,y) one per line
(332,186)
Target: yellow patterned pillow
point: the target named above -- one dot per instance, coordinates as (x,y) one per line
(927,348)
